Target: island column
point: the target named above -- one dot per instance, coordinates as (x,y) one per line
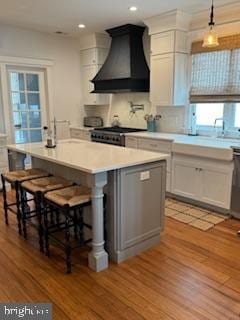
(98,257)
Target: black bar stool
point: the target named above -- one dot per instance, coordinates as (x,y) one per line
(70,202)
(37,188)
(15,178)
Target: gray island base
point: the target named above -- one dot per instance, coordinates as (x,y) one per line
(135,189)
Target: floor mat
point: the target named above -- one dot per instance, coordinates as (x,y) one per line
(192,215)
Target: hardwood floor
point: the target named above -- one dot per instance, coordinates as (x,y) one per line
(190,275)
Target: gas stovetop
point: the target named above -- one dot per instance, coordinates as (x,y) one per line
(118,129)
(112,135)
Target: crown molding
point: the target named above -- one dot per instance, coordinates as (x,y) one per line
(171,20)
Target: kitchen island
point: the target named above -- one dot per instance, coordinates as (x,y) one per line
(133,180)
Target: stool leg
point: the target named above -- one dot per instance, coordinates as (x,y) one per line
(46,236)
(18,204)
(38,204)
(5,204)
(75,221)
(81,232)
(23,213)
(68,248)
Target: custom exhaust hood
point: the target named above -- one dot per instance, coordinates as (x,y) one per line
(125,69)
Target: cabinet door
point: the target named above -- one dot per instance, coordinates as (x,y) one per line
(161,79)
(216,186)
(185,179)
(89,57)
(76,134)
(162,42)
(131,142)
(88,73)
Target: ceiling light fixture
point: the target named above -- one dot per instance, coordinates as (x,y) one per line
(81,26)
(210,37)
(132,8)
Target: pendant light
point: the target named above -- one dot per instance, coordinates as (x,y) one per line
(210,37)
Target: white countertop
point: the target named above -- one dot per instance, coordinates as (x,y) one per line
(185,139)
(89,157)
(215,148)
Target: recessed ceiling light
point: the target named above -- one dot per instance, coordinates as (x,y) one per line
(81,26)
(132,8)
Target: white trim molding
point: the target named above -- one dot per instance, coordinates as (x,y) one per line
(7,62)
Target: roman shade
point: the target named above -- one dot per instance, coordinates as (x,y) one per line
(216,73)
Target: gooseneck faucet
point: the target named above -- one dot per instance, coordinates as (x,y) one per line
(55,121)
(223,125)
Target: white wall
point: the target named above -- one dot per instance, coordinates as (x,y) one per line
(64,52)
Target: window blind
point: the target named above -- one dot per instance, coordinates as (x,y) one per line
(215,76)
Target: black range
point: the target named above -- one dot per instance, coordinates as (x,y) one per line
(112,135)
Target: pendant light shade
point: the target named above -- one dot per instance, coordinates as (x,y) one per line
(210,37)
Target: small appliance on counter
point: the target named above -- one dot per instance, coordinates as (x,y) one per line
(93,122)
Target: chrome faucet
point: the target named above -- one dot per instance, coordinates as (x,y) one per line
(55,121)
(223,125)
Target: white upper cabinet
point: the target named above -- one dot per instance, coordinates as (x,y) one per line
(93,56)
(170,41)
(168,79)
(88,73)
(169,59)
(94,50)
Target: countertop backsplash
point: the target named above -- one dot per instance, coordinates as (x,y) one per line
(172,118)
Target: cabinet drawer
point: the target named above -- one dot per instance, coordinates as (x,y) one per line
(155,145)
(131,142)
(76,134)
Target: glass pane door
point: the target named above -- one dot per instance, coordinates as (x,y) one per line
(27,112)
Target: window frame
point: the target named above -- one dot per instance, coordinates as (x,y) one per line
(42,99)
(229,112)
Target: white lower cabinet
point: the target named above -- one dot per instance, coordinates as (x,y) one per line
(154,145)
(201,179)
(131,142)
(81,134)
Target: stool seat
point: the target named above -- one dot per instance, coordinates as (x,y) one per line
(46,184)
(72,196)
(22,175)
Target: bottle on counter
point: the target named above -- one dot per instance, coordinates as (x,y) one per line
(193,128)
(48,137)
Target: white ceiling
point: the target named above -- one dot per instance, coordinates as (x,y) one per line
(97,15)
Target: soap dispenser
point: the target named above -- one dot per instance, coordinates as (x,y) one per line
(193,128)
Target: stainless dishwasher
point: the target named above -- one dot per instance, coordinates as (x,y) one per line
(235,196)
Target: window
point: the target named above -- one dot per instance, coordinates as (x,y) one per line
(27,113)
(207,113)
(215,88)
